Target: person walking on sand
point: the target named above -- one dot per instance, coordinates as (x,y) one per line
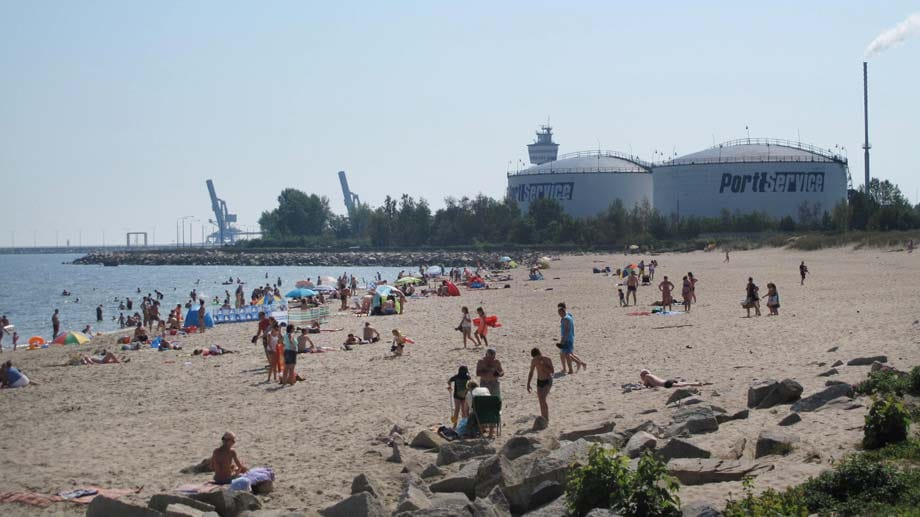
(727,259)
(55,324)
(632,284)
(666,287)
(466,327)
(772,299)
(489,370)
(457,386)
(803,270)
(752,298)
(567,340)
(482,328)
(544,368)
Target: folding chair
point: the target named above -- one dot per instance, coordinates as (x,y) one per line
(488,412)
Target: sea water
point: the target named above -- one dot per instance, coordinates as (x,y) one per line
(31,287)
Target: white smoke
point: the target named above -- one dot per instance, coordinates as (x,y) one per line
(895,35)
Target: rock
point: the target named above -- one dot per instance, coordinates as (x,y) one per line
(365,483)
(791,418)
(834,382)
(614,438)
(453,502)
(759,391)
(102,506)
(833,349)
(640,442)
(412,498)
(680,448)
(432,471)
(837,363)
(275,513)
(159,502)
(361,504)
(700,510)
(688,402)
(459,450)
(181,510)
(698,471)
(737,415)
(546,492)
(771,442)
(229,503)
(519,446)
(876,366)
(841,404)
(828,373)
(682,393)
(493,505)
(814,401)
(784,392)
(601,512)
(463,481)
(202,467)
(648,426)
(866,361)
(539,424)
(552,467)
(572,436)
(427,440)
(553,509)
(396,457)
(263,487)
(737,448)
(495,471)
(696,419)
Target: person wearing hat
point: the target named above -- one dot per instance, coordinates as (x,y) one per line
(225,462)
(489,370)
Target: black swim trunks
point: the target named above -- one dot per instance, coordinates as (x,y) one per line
(630,288)
(290,357)
(544,383)
(669,383)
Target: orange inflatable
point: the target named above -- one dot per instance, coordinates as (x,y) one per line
(491,321)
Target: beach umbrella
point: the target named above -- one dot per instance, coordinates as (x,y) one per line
(505,259)
(408,280)
(300,292)
(304,283)
(71,338)
(386,290)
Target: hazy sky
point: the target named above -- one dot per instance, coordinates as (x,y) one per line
(114,113)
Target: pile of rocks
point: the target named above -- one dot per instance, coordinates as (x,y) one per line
(220,503)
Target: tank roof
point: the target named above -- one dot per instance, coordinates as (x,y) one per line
(589,161)
(759,150)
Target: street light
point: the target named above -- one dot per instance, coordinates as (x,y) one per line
(191,236)
(181,221)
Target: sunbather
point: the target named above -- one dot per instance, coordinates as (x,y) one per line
(653,381)
(225,462)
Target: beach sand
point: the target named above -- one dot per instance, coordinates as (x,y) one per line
(137,424)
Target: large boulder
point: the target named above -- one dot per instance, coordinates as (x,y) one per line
(680,448)
(493,505)
(427,440)
(412,498)
(457,503)
(698,471)
(639,442)
(866,361)
(361,504)
(553,467)
(603,428)
(785,392)
(159,502)
(614,438)
(545,492)
(694,420)
(771,442)
(460,450)
(229,503)
(700,510)
(556,508)
(741,414)
(790,419)
(463,481)
(759,391)
(816,400)
(519,446)
(102,506)
(181,510)
(365,483)
(682,393)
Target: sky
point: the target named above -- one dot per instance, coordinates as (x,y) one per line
(114,113)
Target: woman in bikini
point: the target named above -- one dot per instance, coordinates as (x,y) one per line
(686,293)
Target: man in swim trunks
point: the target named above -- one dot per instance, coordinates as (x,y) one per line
(653,381)
(370,333)
(567,340)
(544,369)
(632,283)
(803,270)
(224,461)
(489,369)
(666,286)
(55,324)
(264,325)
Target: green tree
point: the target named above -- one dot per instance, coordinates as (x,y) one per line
(298,215)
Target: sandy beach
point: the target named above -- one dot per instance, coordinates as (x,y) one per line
(137,424)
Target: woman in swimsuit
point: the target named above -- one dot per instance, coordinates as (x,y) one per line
(686,293)
(693,281)
(653,381)
(466,327)
(666,287)
(457,385)
(482,329)
(271,343)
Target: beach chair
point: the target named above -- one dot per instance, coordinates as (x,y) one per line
(488,412)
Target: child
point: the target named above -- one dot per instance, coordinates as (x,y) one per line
(622,298)
(15,340)
(466,327)
(482,329)
(772,299)
(399,343)
(350,342)
(271,343)
(457,385)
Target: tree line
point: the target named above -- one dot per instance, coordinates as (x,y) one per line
(303,219)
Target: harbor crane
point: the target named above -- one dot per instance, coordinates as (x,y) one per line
(351,199)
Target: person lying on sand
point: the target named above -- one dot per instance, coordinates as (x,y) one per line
(225,462)
(104,357)
(212,350)
(653,381)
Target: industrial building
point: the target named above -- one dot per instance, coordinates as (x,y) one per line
(775,177)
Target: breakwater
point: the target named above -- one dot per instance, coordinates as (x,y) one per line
(235,257)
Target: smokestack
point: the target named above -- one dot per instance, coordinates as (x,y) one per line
(866,145)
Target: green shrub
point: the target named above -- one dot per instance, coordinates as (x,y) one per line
(913,381)
(884,382)
(606,482)
(887,422)
(768,504)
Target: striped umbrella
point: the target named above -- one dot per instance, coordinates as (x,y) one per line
(71,338)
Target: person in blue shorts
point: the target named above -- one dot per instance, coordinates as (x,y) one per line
(567,341)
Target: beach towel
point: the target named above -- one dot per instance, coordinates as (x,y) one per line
(74,496)
(632,386)
(198,488)
(259,475)
(640,313)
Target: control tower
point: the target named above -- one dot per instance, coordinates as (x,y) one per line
(544,149)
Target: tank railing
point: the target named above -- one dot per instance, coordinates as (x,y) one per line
(607,154)
(579,170)
(752,159)
(827,153)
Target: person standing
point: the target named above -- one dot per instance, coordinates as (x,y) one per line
(693,281)
(752,298)
(4,322)
(686,293)
(456,385)
(99,313)
(55,324)
(666,287)
(482,328)
(290,356)
(544,368)
(727,259)
(489,370)
(567,340)
(201,313)
(632,284)
(803,270)
(772,299)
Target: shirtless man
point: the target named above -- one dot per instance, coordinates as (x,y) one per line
(224,461)
(666,287)
(544,368)
(489,369)
(632,283)
(55,324)
(345,295)
(653,381)
(370,333)
(803,270)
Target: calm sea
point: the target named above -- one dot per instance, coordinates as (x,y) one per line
(31,287)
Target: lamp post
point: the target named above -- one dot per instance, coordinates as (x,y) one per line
(181,222)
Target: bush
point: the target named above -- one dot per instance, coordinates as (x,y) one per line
(913,381)
(769,503)
(606,482)
(886,423)
(885,382)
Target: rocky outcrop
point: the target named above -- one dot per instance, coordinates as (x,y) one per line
(768,393)
(813,402)
(701,471)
